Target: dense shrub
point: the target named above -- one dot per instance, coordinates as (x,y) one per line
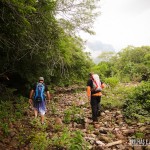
(112,81)
(137,105)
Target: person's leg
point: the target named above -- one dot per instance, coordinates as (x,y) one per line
(42,119)
(35,105)
(98,105)
(94,108)
(42,110)
(35,112)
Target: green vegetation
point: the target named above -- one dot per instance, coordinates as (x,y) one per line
(38,38)
(111,82)
(40,141)
(74,114)
(123,74)
(30,132)
(115,97)
(69,140)
(130,64)
(137,104)
(35,135)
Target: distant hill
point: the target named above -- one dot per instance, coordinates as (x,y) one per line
(96,48)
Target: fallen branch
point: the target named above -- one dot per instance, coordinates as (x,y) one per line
(114,143)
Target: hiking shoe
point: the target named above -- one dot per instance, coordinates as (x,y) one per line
(90,118)
(95,122)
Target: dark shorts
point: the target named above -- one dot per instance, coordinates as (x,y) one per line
(40,107)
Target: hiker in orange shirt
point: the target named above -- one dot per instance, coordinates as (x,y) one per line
(94,87)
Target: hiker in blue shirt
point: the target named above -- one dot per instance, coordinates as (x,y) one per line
(39,100)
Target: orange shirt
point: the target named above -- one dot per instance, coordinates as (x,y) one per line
(96,94)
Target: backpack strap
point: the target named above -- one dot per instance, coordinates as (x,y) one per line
(95,83)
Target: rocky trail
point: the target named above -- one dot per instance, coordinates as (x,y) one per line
(70,109)
(110,133)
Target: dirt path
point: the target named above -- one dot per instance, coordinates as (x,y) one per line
(70,109)
(111,132)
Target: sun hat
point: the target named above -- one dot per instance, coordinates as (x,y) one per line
(41,78)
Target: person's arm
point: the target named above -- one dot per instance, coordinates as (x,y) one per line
(88,89)
(88,92)
(47,93)
(30,96)
(102,85)
(48,96)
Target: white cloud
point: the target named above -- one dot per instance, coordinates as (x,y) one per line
(122,23)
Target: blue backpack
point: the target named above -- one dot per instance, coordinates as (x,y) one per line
(39,92)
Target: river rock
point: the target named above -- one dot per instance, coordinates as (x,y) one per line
(100,143)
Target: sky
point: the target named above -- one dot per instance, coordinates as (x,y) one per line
(121,23)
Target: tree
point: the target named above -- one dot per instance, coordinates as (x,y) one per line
(130,64)
(106,56)
(76,15)
(35,42)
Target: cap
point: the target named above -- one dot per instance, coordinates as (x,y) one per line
(41,78)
